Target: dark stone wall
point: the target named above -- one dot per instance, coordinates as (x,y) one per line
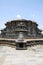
(28,27)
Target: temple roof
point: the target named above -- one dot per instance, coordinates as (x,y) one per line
(23,20)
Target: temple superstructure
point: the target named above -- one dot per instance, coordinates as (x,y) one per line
(21,27)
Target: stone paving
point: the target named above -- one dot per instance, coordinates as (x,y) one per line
(11,56)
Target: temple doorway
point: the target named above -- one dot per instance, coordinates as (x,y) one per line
(21,46)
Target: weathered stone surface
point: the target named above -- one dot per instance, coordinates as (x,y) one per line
(11,56)
(21,28)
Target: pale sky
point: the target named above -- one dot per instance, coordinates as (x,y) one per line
(26,9)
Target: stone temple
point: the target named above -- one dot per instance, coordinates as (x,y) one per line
(19,31)
(21,28)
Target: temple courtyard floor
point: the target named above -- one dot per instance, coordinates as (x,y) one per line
(32,56)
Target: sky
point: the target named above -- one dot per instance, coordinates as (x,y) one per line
(26,9)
